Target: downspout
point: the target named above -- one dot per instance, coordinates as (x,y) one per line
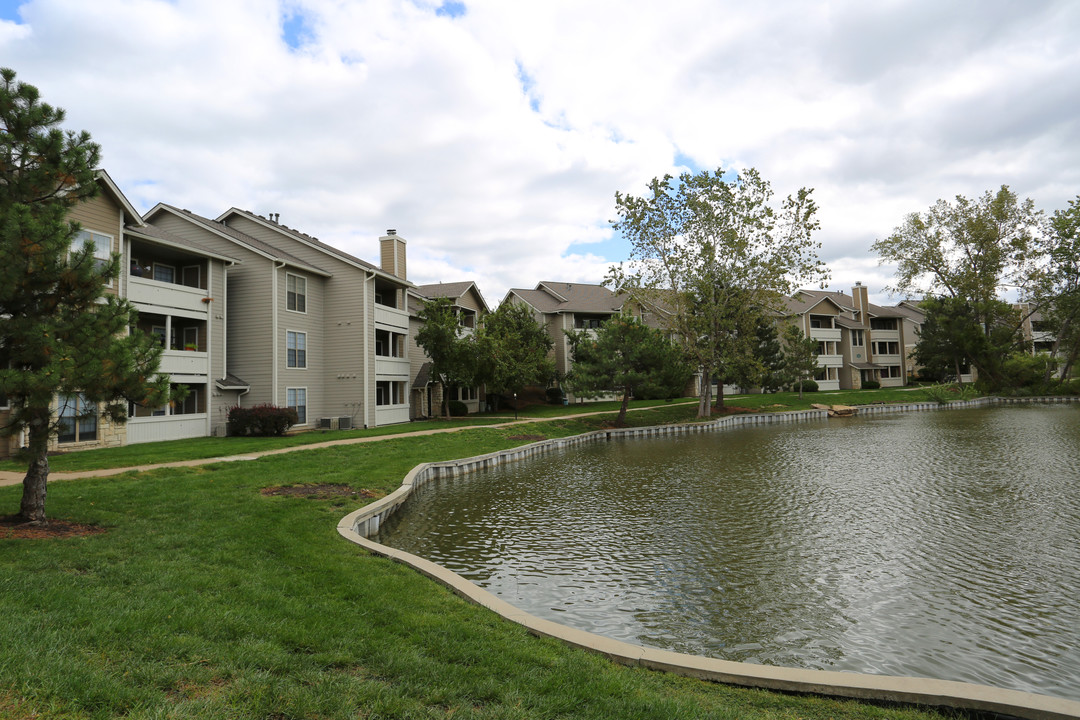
(278,265)
(367,330)
(209,348)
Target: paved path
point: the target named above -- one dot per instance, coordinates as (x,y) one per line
(16,478)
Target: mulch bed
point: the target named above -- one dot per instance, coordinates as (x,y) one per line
(323,491)
(527,438)
(13,527)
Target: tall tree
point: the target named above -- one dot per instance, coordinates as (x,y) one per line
(1057,296)
(970,250)
(452,354)
(628,357)
(65,346)
(717,252)
(772,373)
(513,350)
(800,356)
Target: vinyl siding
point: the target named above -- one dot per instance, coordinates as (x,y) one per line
(104,215)
(347,317)
(248,307)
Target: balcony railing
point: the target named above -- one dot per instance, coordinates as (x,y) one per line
(185,362)
(144,291)
(392,317)
(827,334)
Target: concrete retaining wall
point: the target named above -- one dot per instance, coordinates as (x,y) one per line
(360,525)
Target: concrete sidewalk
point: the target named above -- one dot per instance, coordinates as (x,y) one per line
(16,478)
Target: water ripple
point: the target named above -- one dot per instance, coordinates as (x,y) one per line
(928,544)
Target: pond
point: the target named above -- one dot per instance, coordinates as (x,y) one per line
(933,544)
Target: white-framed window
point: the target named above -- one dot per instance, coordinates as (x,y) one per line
(164,273)
(295,293)
(389,344)
(857,338)
(295,349)
(296,399)
(467,394)
(102,245)
(78,419)
(389,392)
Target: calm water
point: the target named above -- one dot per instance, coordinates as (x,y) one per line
(940,544)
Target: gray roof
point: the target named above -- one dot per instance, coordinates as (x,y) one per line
(244,239)
(153,232)
(302,237)
(231,382)
(555,297)
(452,290)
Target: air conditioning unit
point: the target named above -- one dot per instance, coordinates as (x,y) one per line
(344,422)
(327,423)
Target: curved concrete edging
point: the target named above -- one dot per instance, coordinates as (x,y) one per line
(358,526)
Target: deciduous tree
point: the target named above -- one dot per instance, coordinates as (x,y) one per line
(513,350)
(717,252)
(969,250)
(452,353)
(61,335)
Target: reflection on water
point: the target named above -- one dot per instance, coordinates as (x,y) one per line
(941,544)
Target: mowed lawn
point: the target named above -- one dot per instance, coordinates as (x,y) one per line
(206,598)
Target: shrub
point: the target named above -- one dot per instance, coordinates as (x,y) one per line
(458,408)
(871,385)
(807,386)
(261,420)
(556,395)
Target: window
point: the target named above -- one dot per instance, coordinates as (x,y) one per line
(164,273)
(296,399)
(158,331)
(882,323)
(295,293)
(389,392)
(467,394)
(296,349)
(102,245)
(389,344)
(857,338)
(78,419)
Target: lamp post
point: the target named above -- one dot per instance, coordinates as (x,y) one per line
(515,406)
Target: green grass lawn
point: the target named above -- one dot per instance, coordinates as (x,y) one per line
(647,412)
(207,599)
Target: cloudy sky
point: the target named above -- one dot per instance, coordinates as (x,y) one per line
(494,134)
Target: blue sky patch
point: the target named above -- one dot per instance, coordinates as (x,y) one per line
(683,160)
(527,87)
(296,31)
(451,8)
(9,10)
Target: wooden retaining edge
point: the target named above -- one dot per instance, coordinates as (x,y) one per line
(358,526)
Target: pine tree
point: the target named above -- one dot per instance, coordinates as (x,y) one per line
(800,356)
(61,335)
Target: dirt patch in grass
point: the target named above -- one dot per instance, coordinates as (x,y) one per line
(322,491)
(526,438)
(729,409)
(14,527)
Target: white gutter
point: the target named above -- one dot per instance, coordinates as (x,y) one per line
(369,299)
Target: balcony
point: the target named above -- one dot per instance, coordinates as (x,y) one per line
(826,334)
(147,292)
(392,366)
(879,335)
(185,362)
(830,361)
(391,317)
(888,360)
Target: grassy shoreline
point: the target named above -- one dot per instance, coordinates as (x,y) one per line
(206,598)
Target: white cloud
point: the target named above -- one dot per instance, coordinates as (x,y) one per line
(495,140)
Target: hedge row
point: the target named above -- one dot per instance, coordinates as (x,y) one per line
(263,420)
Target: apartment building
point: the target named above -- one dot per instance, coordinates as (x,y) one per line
(858,341)
(308,326)
(469,306)
(562,306)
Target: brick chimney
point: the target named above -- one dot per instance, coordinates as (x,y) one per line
(392,254)
(861,297)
